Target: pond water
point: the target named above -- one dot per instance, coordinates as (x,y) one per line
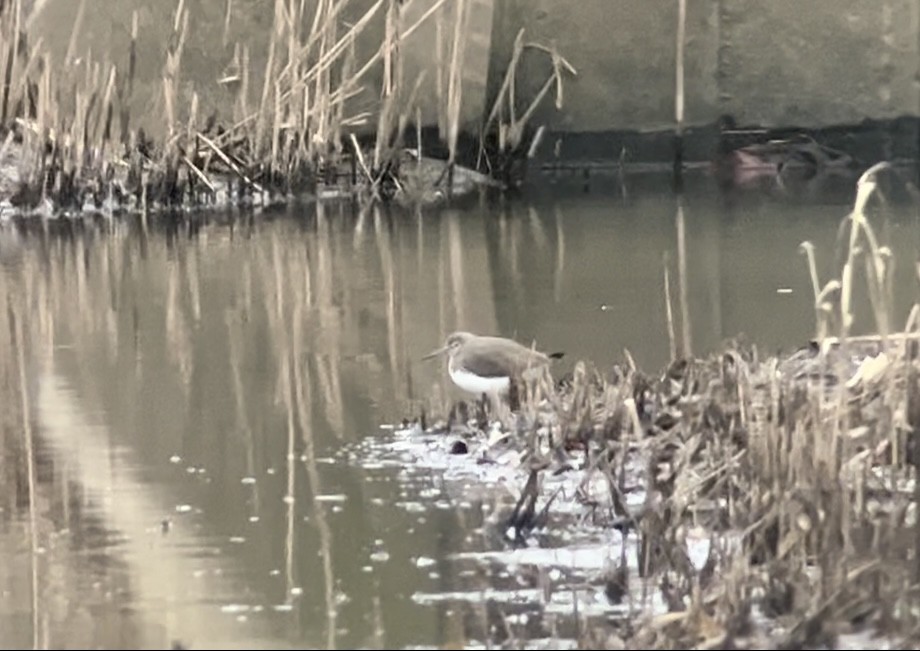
(205,402)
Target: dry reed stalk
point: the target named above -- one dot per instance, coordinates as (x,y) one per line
(679,81)
(125,91)
(20,92)
(275,157)
(171,68)
(228,13)
(11,27)
(228,161)
(132,53)
(511,132)
(322,27)
(440,85)
(684,281)
(454,83)
(294,108)
(269,78)
(403,123)
(338,111)
(820,324)
(242,96)
(360,156)
(320,95)
(392,83)
(191,126)
(341,93)
(107,111)
(74,33)
(324,113)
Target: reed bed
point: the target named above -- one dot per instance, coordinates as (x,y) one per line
(800,472)
(69,143)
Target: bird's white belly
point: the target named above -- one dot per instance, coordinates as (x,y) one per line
(475,384)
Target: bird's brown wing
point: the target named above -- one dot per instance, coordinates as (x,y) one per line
(485,360)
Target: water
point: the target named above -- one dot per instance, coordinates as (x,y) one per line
(212,407)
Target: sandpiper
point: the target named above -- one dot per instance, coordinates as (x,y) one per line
(483,364)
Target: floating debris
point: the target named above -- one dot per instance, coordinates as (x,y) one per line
(332,497)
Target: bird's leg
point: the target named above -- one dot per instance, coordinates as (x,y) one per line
(514,395)
(483,411)
(458,415)
(500,409)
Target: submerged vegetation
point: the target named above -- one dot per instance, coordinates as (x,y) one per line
(799,471)
(68,142)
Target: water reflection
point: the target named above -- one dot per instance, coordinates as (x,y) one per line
(191,387)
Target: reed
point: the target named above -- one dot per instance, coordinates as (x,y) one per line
(681,44)
(800,470)
(503,124)
(82,150)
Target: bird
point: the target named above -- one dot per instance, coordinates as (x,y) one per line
(482,364)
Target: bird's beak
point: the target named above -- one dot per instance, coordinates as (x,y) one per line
(435,353)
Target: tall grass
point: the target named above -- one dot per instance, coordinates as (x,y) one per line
(79,146)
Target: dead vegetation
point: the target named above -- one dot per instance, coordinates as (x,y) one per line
(68,141)
(800,471)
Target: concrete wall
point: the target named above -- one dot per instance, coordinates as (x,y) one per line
(781,62)
(814,63)
(776,62)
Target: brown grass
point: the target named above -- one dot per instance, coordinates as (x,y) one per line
(801,469)
(78,147)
